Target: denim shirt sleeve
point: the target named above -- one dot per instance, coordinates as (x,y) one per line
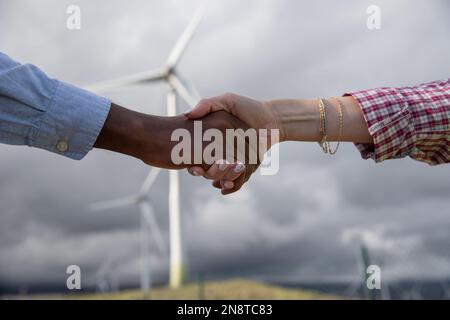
(46,113)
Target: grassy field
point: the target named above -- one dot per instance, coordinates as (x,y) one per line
(222,290)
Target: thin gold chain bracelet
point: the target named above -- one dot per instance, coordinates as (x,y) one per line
(323,126)
(341,128)
(324,143)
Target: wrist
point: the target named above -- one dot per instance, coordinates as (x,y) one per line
(123,132)
(276,113)
(297,120)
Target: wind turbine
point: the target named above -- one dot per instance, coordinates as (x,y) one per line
(187,92)
(105,278)
(147,221)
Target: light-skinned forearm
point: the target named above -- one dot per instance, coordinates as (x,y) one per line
(299,120)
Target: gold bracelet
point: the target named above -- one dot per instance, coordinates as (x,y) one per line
(323,126)
(326,146)
(341,129)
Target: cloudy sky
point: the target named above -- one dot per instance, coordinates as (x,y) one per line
(305,223)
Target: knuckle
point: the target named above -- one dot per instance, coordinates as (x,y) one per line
(203,101)
(229,95)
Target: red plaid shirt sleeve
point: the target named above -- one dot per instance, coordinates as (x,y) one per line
(407,121)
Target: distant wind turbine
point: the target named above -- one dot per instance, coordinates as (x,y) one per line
(189,94)
(105,278)
(147,221)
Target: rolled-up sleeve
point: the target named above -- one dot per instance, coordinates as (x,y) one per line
(46,113)
(407,121)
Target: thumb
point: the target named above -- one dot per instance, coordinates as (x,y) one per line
(200,110)
(196,171)
(205,107)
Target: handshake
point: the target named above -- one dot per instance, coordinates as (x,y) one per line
(223,139)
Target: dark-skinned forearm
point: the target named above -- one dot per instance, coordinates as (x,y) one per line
(121,132)
(142,136)
(148,137)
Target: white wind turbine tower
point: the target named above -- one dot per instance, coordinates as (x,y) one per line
(177,86)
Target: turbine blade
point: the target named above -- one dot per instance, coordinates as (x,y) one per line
(137,78)
(190,87)
(186,36)
(149,216)
(176,83)
(148,182)
(114,204)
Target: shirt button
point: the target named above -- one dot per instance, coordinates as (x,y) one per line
(62,146)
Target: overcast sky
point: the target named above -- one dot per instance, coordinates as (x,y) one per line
(305,223)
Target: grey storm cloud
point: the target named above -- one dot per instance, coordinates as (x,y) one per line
(303,223)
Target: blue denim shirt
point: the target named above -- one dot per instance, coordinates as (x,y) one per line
(45,113)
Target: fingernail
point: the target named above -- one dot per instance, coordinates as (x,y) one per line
(222,165)
(228,185)
(239,167)
(194,172)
